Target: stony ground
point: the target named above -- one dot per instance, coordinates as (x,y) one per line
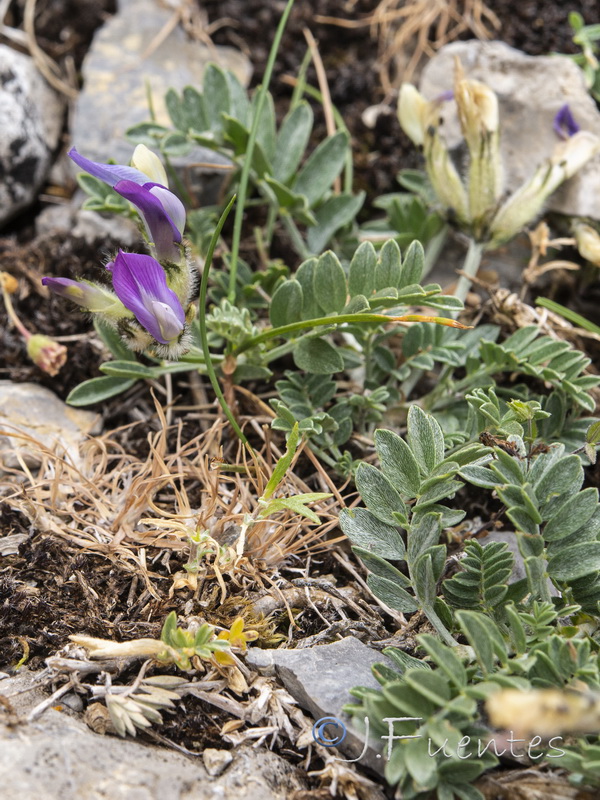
(59,576)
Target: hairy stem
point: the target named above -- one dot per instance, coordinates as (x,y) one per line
(470,267)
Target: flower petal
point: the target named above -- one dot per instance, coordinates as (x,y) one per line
(141,285)
(564,123)
(171,204)
(162,230)
(222,657)
(109,173)
(150,164)
(168,320)
(89,295)
(413,111)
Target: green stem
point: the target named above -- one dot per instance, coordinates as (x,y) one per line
(244,178)
(297,241)
(181,189)
(450,395)
(427,402)
(333,319)
(271,217)
(280,351)
(470,267)
(368,345)
(322,455)
(300,86)
(210,370)
(149,100)
(439,626)
(409,384)
(433,250)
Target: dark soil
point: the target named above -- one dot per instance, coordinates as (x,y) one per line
(64,28)
(50,590)
(349,56)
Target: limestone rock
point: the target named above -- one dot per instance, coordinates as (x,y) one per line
(530,89)
(511,539)
(29,410)
(216,761)
(32,115)
(79,223)
(320,678)
(58,757)
(122,61)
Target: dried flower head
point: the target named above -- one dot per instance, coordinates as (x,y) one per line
(47,354)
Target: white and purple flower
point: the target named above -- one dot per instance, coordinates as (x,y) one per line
(162,211)
(149,303)
(140,284)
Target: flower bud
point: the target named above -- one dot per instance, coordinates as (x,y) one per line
(150,164)
(91,296)
(588,243)
(8,283)
(48,355)
(526,203)
(572,154)
(478,115)
(413,113)
(444,177)
(477,110)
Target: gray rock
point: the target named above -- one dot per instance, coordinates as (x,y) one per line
(510,538)
(90,226)
(320,678)
(503,265)
(125,47)
(31,114)
(216,761)
(530,89)
(57,757)
(29,410)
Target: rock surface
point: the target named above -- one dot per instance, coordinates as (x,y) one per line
(320,678)
(57,757)
(32,116)
(90,226)
(126,46)
(511,539)
(530,89)
(29,410)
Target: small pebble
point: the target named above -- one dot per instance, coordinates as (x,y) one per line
(216,761)
(72,701)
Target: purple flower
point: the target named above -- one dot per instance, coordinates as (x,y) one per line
(162,211)
(445,97)
(88,295)
(564,124)
(140,283)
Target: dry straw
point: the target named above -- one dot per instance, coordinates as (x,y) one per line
(120,504)
(407,30)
